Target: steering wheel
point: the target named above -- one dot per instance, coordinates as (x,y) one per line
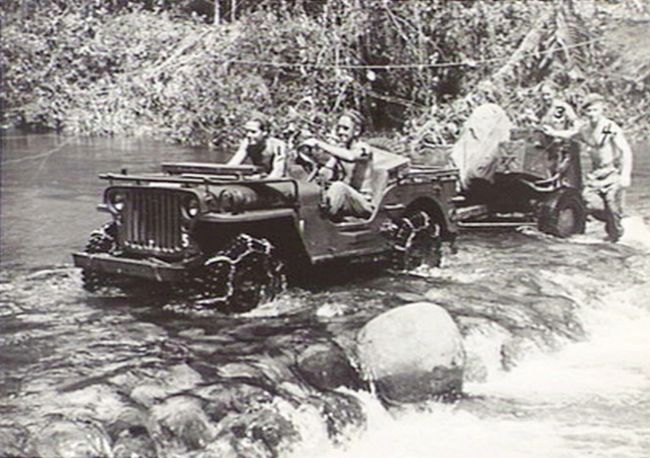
(305,158)
(314,165)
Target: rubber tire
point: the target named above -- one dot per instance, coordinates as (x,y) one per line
(563,214)
(101,240)
(426,242)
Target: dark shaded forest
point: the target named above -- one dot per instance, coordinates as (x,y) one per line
(190,71)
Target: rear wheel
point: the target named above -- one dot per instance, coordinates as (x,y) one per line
(242,276)
(101,240)
(563,214)
(416,242)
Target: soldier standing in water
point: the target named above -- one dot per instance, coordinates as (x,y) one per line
(556,112)
(611,158)
(559,115)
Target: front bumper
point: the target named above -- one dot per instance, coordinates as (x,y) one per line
(138,268)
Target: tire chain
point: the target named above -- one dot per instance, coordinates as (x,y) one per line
(407,232)
(101,241)
(222,272)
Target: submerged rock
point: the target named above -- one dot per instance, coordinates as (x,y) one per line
(130,445)
(12,440)
(71,439)
(182,419)
(264,432)
(518,348)
(342,413)
(483,341)
(326,366)
(130,434)
(163,383)
(412,353)
(222,399)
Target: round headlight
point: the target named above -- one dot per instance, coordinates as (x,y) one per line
(192,207)
(117,200)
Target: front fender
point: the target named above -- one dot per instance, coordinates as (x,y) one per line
(279,226)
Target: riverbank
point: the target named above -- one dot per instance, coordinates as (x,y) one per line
(165,73)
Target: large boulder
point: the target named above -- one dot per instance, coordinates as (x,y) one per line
(412,354)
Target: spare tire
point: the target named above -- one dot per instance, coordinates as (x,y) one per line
(563,213)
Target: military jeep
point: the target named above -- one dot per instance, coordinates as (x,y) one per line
(232,237)
(537,181)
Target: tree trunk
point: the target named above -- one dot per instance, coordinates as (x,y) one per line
(528,45)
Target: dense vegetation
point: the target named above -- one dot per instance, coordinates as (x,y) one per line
(191,70)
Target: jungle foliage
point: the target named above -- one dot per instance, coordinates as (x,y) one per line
(191,71)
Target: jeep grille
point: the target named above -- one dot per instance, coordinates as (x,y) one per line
(151,221)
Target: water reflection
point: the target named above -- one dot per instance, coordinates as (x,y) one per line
(50,189)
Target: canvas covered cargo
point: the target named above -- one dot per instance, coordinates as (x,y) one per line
(476,152)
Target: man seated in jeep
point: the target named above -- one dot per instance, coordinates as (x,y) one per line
(263,150)
(349,195)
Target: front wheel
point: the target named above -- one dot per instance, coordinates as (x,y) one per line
(242,276)
(101,240)
(563,214)
(416,242)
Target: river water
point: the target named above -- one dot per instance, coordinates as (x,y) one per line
(557,334)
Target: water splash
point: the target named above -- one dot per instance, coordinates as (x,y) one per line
(636,233)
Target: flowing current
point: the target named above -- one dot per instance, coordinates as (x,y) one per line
(557,334)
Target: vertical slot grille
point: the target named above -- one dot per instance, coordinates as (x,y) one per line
(151,221)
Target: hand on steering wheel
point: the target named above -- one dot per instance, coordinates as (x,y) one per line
(305,158)
(332,170)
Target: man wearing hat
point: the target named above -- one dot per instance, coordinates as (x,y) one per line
(611,158)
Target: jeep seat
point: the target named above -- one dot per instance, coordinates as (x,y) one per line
(386,169)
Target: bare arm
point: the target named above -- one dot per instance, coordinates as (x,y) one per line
(626,158)
(348,155)
(570,133)
(240,155)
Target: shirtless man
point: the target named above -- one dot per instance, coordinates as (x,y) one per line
(556,112)
(559,115)
(351,195)
(611,158)
(262,149)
